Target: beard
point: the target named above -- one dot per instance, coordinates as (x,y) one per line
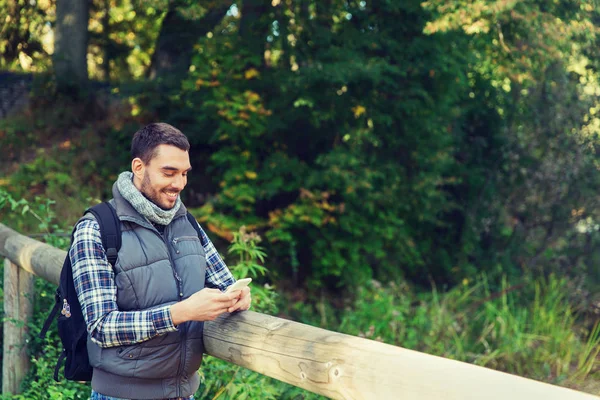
(152,194)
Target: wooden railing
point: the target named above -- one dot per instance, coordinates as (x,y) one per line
(328,363)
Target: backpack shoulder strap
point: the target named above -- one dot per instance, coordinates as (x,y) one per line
(110,229)
(194,223)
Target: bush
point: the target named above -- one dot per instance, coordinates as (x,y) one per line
(529,329)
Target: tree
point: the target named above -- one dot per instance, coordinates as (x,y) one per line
(70,46)
(179,32)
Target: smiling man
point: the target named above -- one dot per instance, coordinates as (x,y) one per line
(145,317)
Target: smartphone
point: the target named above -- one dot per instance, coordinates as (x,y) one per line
(239,285)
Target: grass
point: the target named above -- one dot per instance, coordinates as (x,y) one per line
(532,332)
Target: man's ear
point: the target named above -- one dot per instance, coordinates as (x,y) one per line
(137,167)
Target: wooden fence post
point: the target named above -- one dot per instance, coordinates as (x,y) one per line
(18,309)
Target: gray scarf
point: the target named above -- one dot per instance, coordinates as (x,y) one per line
(141,204)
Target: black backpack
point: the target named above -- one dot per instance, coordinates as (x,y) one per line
(71,324)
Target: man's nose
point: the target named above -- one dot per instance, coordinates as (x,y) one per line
(179,182)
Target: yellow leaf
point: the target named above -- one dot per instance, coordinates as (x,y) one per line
(251,73)
(250,174)
(358,111)
(251,96)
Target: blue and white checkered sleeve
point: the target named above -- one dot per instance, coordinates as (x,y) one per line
(217,274)
(96,290)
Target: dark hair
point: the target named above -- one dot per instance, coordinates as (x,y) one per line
(146,140)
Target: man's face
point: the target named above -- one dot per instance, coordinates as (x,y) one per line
(164,177)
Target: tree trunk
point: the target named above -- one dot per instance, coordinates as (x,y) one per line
(175,44)
(70,46)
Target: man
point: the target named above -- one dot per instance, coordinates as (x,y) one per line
(145,316)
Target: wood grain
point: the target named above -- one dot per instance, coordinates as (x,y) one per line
(35,257)
(18,309)
(346,367)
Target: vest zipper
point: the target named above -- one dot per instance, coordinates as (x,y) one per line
(182,362)
(184,326)
(163,237)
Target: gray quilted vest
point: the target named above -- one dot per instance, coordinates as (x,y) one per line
(153,270)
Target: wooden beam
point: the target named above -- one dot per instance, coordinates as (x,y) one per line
(35,257)
(347,367)
(18,309)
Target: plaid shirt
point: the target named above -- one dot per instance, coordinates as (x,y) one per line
(97,292)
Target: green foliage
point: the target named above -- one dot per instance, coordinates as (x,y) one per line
(315,159)
(387,160)
(531,189)
(250,264)
(72,160)
(122,36)
(38,214)
(529,329)
(25,34)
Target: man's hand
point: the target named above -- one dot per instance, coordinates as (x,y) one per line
(204,305)
(243,300)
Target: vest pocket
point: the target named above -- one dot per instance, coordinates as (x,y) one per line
(187,245)
(129,352)
(149,362)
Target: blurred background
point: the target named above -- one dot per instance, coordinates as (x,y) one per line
(425,174)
